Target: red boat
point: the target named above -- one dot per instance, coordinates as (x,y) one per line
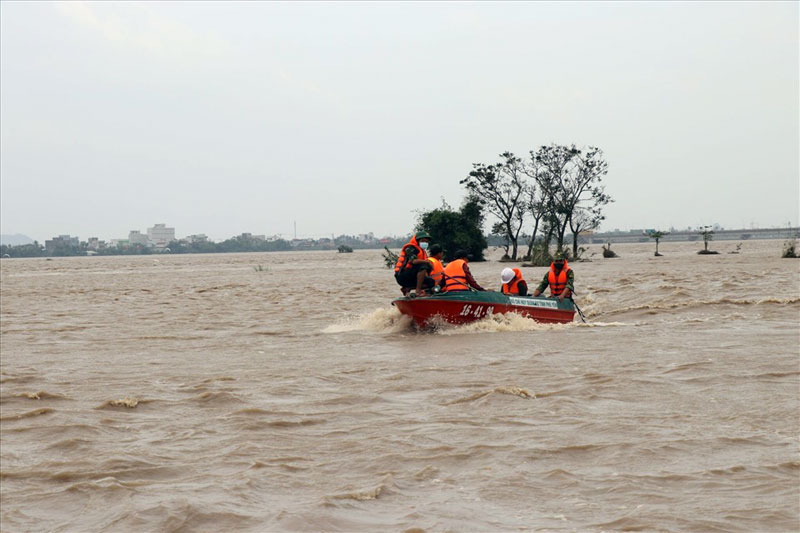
(461,307)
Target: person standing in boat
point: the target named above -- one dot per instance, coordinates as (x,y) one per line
(560,278)
(436,260)
(456,275)
(413,268)
(512,282)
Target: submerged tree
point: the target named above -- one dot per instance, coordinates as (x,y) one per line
(537,203)
(789,249)
(553,166)
(790,245)
(572,190)
(499,230)
(657,236)
(580,221)
(500,189)
(608,252)
(457,230)
(389,258)
(558,187)
(708,234)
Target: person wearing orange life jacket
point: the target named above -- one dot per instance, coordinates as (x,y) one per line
(436,260)
(560,278)
(456,275)
(412,267)
(512,282)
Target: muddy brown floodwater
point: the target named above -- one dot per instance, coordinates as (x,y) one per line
(195,393)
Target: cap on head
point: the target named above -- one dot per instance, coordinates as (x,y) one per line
(422,235)
(436,249)
(462,254)
(506,275)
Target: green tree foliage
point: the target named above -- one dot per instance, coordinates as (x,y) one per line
(22,250)
(657,236)
(240,243)
(499,231)
(500,188)
(556,188)
(389,257)
(456,230)
(572,189)
(708,235)
(131,249)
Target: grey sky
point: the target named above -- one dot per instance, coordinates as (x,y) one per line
(347,117)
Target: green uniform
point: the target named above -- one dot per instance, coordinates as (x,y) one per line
(570,281)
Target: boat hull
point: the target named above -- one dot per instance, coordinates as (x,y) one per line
(463,307)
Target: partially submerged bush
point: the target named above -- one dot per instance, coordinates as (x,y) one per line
(608,252)
(540,256)
(790,249)
(738,248)
(389,258)
(708,235)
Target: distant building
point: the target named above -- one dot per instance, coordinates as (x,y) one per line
(251,237)
(160,235)
(93,243)
(61,241)
(199,237)
(137,237)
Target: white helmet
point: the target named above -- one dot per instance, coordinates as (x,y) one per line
(507,275)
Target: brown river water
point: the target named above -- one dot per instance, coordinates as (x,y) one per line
(199,393)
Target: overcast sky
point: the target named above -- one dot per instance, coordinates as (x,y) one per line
(221,118)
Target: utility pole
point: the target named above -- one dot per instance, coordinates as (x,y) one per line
(295,229)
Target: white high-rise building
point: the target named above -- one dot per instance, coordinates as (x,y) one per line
(160,235)
(198,237)
(137,237)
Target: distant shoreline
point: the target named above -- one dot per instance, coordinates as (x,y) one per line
(632,236)
(691,236)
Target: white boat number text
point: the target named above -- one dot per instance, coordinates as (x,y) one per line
(476,310)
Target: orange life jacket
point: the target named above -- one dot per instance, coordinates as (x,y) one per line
(401,261)
(512,287)
(438,270)
(557,282)
(455,279)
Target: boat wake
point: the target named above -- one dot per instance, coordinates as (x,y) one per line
(392,321)
(383,320)
(497,323)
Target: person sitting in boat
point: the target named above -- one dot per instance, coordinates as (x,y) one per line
(436,260)
(512,282)
(560,278)
(456,275)
(412,267)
